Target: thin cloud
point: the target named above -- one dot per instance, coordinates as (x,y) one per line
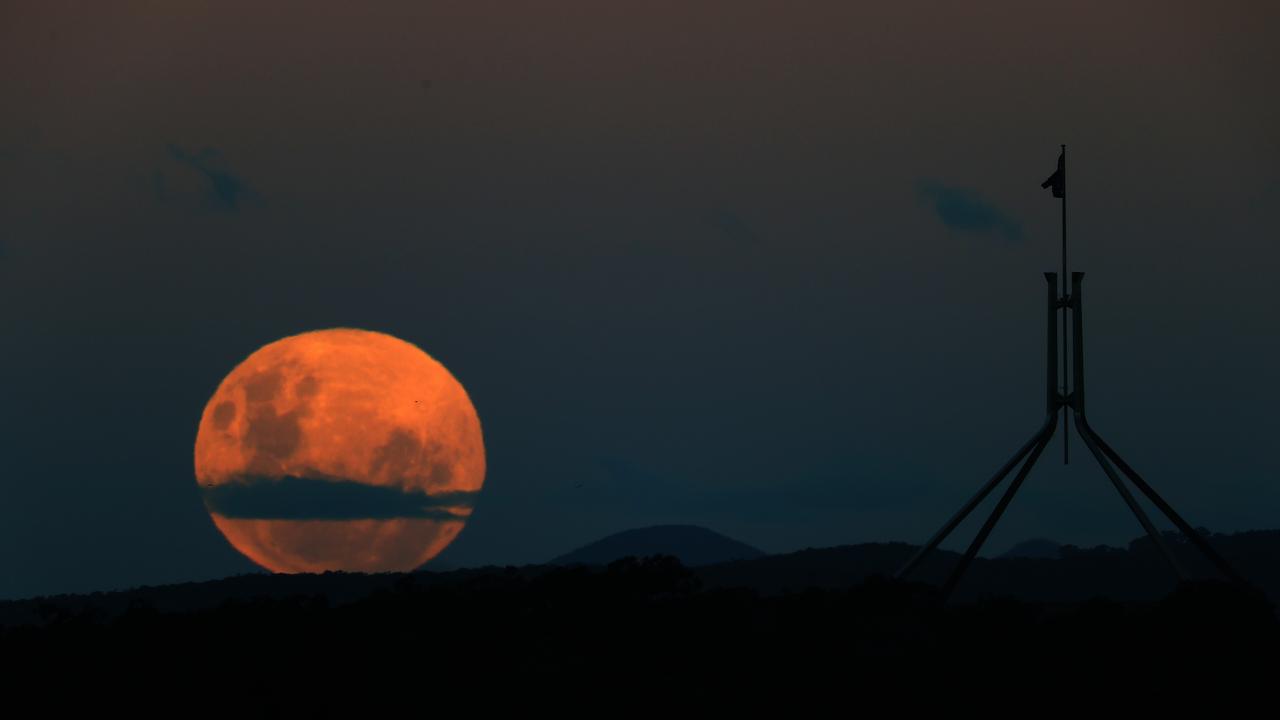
(224,190)
(964,210)
(303,498)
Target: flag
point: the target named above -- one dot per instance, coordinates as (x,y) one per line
(1058,180)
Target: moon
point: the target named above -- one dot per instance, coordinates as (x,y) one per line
(339,449)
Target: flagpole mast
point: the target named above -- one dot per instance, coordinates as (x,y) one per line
(1071,403)
(1066,428)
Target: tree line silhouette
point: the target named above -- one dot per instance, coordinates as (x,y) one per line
(637,627)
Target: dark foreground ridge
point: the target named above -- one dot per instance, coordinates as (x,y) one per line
(289,644)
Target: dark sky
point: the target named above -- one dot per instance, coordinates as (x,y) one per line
(768,267)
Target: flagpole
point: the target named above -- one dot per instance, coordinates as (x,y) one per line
(1066,426)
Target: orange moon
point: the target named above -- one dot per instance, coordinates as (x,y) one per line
(339,449)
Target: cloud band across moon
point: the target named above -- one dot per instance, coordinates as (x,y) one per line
(302,498)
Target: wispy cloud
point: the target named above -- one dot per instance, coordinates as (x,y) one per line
(223,190)
(964,210)
(303,498)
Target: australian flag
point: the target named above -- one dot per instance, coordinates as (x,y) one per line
(1058,180)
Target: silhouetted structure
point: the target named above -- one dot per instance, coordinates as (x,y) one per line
(1068,399)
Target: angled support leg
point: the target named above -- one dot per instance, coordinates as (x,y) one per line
(1091,442)
(1042,440)
(968,507)
(1035,445)
(1198,540)
(1090,439)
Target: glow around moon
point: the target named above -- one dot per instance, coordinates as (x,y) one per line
(339,449)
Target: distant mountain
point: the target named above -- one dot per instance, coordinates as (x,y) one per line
(692,545)
(1039,548)
(1138,573)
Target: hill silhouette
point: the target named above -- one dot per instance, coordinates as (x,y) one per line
(1135,573)
(691,545)
(1034,548)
